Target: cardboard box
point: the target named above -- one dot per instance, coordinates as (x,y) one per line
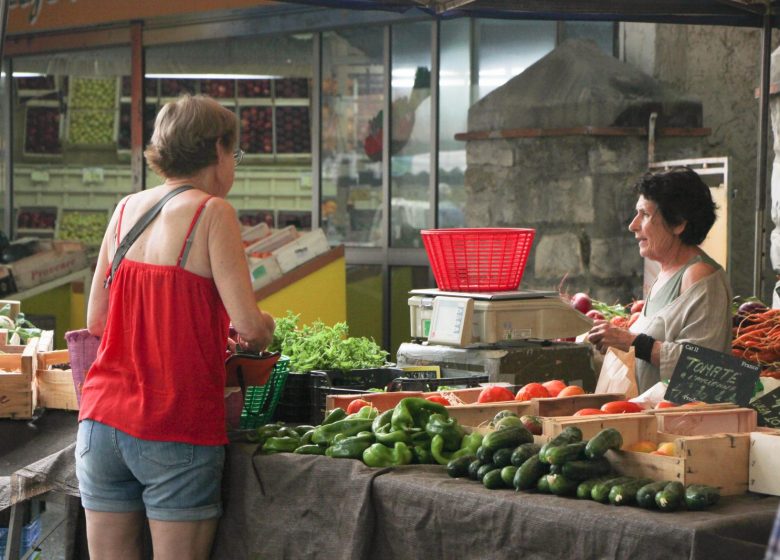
(301,250)
(59,258)
(764,462)
(263,271)
(272,242)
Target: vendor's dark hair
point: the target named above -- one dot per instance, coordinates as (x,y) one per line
(681,196)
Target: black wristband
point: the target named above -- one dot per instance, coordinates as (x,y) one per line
(643,346)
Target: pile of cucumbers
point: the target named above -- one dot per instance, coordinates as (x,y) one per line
(568,466)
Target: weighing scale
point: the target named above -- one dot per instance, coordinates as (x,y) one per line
(480,319)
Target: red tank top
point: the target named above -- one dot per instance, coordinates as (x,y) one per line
(159,372)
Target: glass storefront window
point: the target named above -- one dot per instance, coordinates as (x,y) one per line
(365,315)
(353,86)
(266,81)
(403,279)
(600,32)
(410,133)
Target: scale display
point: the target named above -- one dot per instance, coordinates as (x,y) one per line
(451,320)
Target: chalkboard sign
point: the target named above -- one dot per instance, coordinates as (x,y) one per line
(705,375)
(768,409)
(421,372)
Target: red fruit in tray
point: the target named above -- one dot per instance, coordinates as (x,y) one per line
(532,391)
(532,423)
(356,405)
(495,394)
(588,412)
(554,387)
(621,407)
(438,399)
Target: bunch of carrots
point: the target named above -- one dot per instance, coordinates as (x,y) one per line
(756,337)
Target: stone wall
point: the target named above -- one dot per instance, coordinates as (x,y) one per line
(576,192)
(721,67)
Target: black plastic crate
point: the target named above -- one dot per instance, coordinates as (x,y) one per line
(426,385)
(345,382)
(295,402)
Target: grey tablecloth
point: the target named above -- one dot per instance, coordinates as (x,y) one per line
(290,507)
(37,456)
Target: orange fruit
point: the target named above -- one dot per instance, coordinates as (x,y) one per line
(666,404)
(667,448)
(571,390)
(554,387)
(532,391)
(643,446)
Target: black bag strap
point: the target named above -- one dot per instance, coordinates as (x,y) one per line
(138,229)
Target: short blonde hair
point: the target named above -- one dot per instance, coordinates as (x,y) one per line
(186,133)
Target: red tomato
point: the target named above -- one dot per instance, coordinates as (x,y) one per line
(532,391)
(571,391)
(554,387)
(637,306)
(495,394)
(438,399)
(356,405)
(666,404)
(588,411)
(620,407)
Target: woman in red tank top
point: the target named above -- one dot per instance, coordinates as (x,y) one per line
(152,428)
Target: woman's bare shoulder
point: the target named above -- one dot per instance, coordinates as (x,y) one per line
(696,272)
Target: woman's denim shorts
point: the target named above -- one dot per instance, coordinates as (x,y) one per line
(171,481)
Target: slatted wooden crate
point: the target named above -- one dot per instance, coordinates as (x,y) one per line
(719,460)
(18,393)
(55,384)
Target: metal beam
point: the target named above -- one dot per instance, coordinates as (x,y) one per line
(761,174)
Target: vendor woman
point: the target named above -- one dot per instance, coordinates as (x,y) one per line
(690,298)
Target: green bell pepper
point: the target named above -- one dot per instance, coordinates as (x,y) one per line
(386,435)
(351,447)
(447,428)
(348,426)
(421,454)
(310,449)
(468,446)
(284,444)
(413,412)
(382,420)
(379,455)
(366,412)
(334,416)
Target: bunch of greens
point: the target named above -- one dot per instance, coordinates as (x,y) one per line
(21,326)
(319,346)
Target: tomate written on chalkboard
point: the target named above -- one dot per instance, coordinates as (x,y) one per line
(708,376)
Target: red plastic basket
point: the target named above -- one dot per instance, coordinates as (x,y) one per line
(478,259)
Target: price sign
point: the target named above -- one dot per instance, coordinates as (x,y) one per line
(421,372)
(705,375)
(768,409)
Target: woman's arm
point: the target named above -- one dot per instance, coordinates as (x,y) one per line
(231,275)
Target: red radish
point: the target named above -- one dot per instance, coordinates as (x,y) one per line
(356,405)
(438,399)
(581,302)
(595,315)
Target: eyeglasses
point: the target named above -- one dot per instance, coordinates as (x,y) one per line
(238,155)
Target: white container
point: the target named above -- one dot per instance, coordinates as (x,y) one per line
(254,234)
(272,242)
(303,249)
(764,463)
(263,271)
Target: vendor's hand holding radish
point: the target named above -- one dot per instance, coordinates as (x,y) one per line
(690,298)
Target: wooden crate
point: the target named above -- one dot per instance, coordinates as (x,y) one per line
(55,386)
(480,414)
(719,460)
(695,422)
(381,401)
(18,393)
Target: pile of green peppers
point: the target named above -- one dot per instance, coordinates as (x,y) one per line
(415,431)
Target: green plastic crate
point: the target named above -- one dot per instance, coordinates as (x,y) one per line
(260,402)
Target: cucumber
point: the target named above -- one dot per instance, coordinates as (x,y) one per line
(529,473)
(484,454)
(310,449)
(508,422)
(473,468)
(458,468)
(645,496)
(523,452)
(563,453)
(606,439)
(560,485)
(508,475)
(671,497)
(701,496)
(586,469)
(502,457)
(584,488)
(625,494)
(484,469)
(492,480)
(600,491)
(508,437)
(570,434)
(543,485)
(556,469)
